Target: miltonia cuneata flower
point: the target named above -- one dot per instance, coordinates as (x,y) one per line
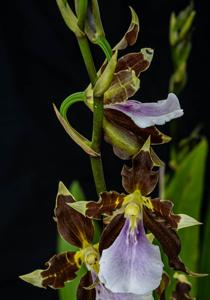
(75,229)
(136,121)
(129,263)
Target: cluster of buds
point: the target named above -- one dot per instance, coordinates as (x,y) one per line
(125,263)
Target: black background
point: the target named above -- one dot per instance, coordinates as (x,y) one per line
(40,63)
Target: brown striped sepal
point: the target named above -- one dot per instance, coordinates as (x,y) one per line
(73,227)
(141,175)
(131,34)
(163,213)
(61,268)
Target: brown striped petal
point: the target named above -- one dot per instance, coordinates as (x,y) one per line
(108,202)
(163,213)
(111,232)
(168,239)
(137,61)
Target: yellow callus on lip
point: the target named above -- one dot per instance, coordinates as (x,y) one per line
(133,204)
(132,211)
(136,197)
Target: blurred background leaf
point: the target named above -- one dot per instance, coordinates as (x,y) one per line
(180,32)
(185,188)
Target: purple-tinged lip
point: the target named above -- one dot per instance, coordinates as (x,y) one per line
(150,114)
(131,264)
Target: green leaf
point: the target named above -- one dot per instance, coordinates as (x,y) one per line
(77,191)
(70,289)
(186,190)
(203,285)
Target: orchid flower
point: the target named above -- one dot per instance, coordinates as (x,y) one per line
(128,123)
(76,230)
(129,262)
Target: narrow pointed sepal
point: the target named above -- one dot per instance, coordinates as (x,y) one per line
(141,175)
(131,264)
(75,135)
(72,226)
(131,34)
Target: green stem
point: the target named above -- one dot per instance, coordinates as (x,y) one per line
(82,11)
(96,162)
(88,59)
(97,123)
